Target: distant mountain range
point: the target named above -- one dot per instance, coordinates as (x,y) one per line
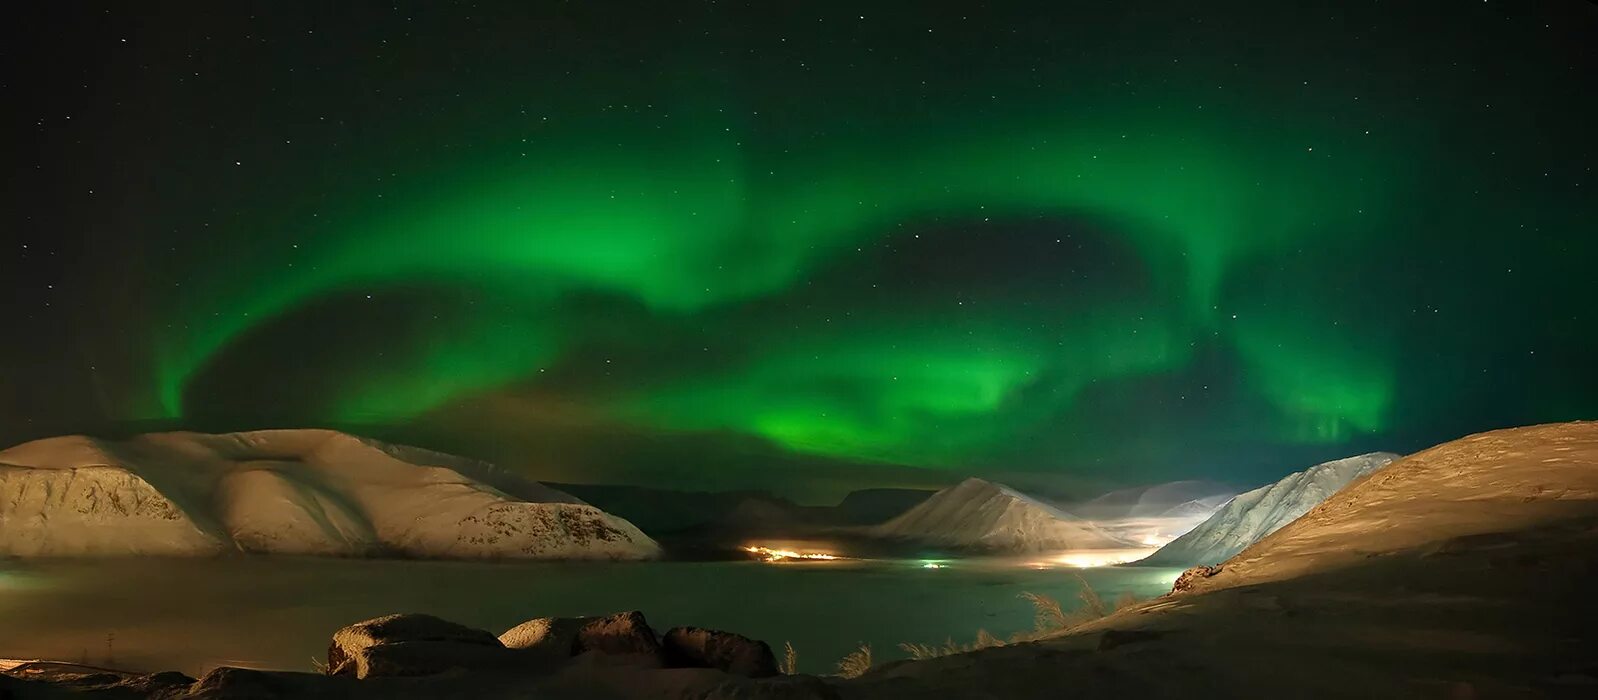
(316,492)
(665,512)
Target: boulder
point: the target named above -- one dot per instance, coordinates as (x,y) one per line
(621,633)
(623,636)
(426,658)
(695,647)
(550,636)
(1192,576)
(410,645)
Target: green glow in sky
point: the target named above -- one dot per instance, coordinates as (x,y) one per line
(1328,385)
(1034,237)
(685,223)
(892,392)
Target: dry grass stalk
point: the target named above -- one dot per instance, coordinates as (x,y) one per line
(1050,617)
(987,641)
(856,663)
(790,659)
(921,652)
(1092,605)
(1047,615)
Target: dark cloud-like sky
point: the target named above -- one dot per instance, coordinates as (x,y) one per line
(808,246)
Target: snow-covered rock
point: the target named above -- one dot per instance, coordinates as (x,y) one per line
(982,515)
(288,492)
(1251,516)
(410,644)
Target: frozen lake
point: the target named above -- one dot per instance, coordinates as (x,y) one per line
(278,612)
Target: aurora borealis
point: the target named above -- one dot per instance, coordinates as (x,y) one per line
(719,244)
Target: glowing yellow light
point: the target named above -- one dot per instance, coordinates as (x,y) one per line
(769,554)
(1088,559)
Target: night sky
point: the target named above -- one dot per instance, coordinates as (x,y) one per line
(807,246)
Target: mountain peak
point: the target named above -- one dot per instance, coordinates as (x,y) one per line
(983,515)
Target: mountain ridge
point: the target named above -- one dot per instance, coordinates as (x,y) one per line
(308,491)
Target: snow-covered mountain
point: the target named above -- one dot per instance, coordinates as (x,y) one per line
(1251,516)
(315,492)
(1471,560)
(1154,514)
(1153,500)
(1532,491)
(981,515)
(1199,508)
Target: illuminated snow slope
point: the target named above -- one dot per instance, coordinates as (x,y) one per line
(981,515)
(288,492)
(1251,516)
(1463,570)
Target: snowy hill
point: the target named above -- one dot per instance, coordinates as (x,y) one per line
(1459,571)
(1200,508)
(1251,516)
(981,515)
(1505,490)
(288,492)
(92,510)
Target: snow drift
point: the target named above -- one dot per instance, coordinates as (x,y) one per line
(981,515)
(1251,516)
(288,492)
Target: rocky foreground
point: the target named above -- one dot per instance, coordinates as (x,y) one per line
(1462,571)
(421,656)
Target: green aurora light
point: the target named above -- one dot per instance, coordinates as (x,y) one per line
(1009,237)
(693,226)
